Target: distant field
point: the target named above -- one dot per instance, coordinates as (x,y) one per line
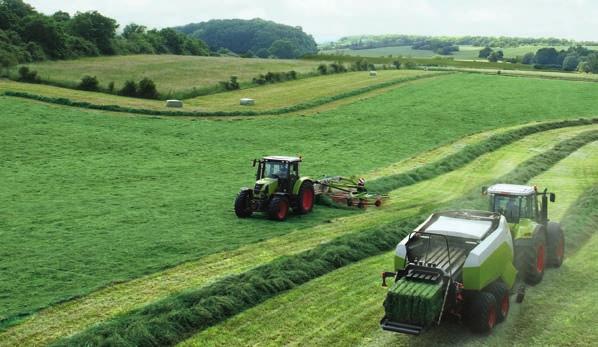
(267,97)
(171,73)
(465,52)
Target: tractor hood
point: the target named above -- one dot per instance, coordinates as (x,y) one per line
(266,185)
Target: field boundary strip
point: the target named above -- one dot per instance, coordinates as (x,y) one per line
(539,74)
(277,111)
(488,144)
(170,320)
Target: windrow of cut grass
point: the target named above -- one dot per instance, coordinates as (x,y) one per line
(278,95)
(556,75)
(67,318)
(345,306)
(171,320)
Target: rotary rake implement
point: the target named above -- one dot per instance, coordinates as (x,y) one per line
(348,191)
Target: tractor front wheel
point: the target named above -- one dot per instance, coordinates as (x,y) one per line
(555,244)
(278,209)
(482,313)
(305,198)
(243,204)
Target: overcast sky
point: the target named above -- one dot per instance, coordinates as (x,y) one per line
(327,20)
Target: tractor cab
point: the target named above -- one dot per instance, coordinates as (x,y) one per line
(280,171)
(517,202)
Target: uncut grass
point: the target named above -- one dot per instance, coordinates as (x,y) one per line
(170,320)
(348,305)
(94,198)
(171,73)
(72,316)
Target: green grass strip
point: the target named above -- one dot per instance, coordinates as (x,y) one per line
(278,111)
(467,155)
(171,320)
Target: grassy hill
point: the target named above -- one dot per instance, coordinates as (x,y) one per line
(171,73)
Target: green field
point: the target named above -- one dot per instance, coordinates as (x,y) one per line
(267,97)
(171,73)
(119,211)
(465,52)
(343,308)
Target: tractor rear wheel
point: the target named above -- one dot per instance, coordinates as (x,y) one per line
(555,244)
(482,315)
(501,295)
(532,259)
(305,198)
(278,209)
(243,204)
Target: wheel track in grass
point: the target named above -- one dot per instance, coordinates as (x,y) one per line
(161,322)
(70,317)
(345,306)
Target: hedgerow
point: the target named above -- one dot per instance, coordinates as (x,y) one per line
(283,110)
(170,320)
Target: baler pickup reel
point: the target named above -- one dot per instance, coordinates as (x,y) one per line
(428,276)
(348,191)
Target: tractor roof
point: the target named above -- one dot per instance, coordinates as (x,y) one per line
(511,189)
(282,158)
(463,224)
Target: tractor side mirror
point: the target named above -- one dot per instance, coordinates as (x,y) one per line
(254,162)
(552,197)
(484,190)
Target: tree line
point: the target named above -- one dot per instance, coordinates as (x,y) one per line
(255,37)
(435,42)
(575,58)
(28,36)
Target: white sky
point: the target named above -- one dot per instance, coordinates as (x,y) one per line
(331,19)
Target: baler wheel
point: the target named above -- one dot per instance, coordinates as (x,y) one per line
(482,313)
(555,244)
(501,294)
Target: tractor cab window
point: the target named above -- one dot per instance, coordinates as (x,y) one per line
(514,207)
(294,171)
(276,169)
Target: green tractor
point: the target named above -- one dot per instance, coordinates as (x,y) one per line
(277,189)
(466,264)
(538,241)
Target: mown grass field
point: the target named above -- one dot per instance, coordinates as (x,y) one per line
(465,52)
(344,307)
(96,198)
(171,73)
(267,97)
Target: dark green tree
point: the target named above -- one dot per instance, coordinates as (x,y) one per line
(485,52)
(283,49)
(96,28)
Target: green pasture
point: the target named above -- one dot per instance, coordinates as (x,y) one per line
(92,198)
(171,73)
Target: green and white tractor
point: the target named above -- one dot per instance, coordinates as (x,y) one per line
(537,240)
(278,188)
(465,264)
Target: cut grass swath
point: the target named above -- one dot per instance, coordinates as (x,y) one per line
(171,320)
(278,111)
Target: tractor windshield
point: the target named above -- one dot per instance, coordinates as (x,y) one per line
(276,169)
(513,207)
